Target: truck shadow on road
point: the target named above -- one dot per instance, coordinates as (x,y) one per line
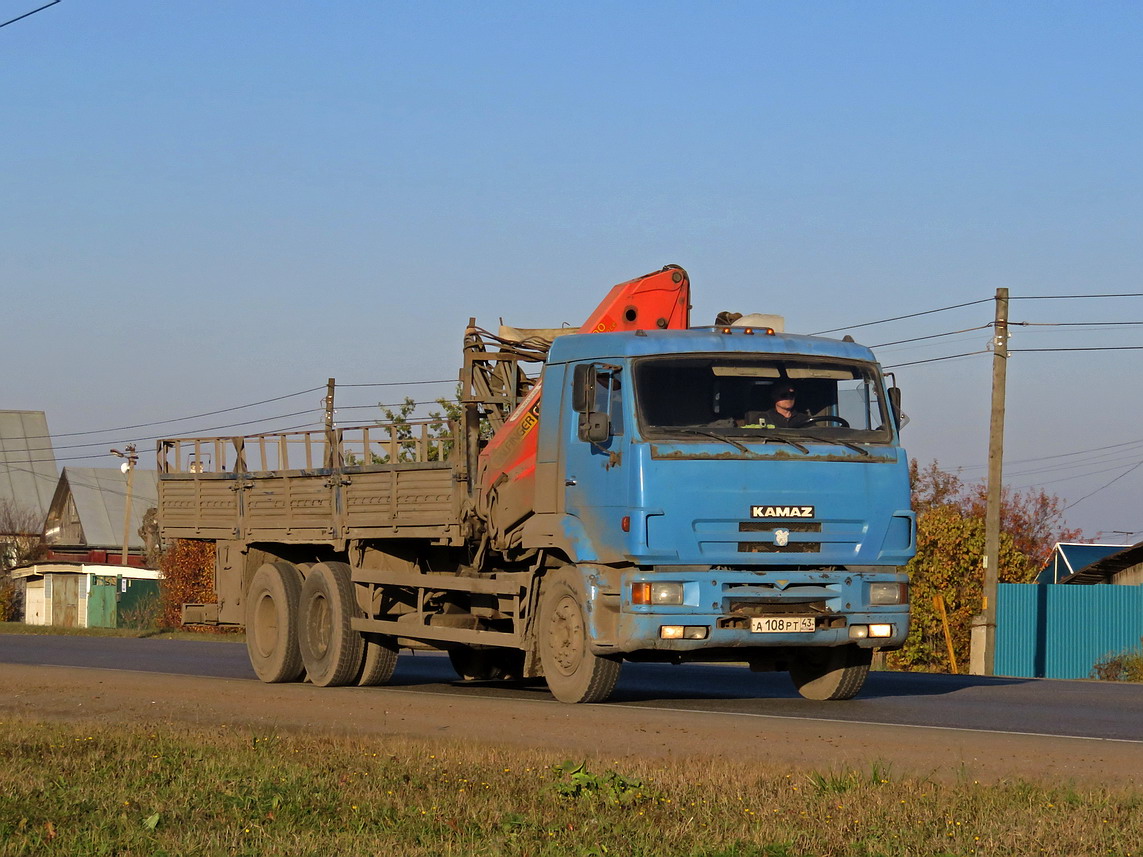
(662,683)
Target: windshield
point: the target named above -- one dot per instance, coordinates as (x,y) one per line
(760,396)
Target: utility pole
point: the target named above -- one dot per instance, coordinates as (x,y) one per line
(995,479)
(330,435)
(129,458)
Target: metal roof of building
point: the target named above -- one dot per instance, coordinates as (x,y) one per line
(1102,569)
(1069,559)
(28,472)
(100,497)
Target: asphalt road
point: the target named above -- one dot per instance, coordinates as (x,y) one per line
(1084,709)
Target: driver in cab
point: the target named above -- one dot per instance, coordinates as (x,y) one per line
(781,413)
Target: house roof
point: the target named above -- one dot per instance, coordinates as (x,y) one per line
(1101,570)
(100,496)
(28,472)
(1067,558)
(40,569)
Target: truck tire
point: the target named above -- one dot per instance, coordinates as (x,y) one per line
(331,650)
(272,623)
(837,672)
(473,663)
(572,671)
(379,662)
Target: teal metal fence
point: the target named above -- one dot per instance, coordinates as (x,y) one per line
(1061,631)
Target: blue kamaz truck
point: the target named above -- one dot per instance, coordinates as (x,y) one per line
(635,489)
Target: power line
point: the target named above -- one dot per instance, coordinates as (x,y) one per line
(1101,487)
(1090,348)
(29,14)
(1074,476)
(55,436)
(1070,324)
(937,359)
(54,448)
(1072,297)
(902,317)
(402,383)
(176,419)
(1062,454)
(933,336)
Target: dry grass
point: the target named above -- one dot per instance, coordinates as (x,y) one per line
(73,790)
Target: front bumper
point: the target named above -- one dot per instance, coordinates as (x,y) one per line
(724,601)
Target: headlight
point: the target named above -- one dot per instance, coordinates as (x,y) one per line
(656,593)
(888,593)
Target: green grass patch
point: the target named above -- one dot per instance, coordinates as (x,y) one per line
(55,630)
(117,790)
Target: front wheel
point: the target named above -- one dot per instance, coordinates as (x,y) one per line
(573,672)
(379,662)
(837,672)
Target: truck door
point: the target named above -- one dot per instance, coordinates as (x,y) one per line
(594,440)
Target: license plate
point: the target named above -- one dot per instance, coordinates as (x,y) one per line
(782,624)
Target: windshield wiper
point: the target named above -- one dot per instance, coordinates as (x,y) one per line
(767,438)
(710,434)
(844,443)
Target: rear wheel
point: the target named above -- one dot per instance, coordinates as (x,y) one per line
(487,664)
(379,662)
(837,672)
(272,623)
(572,671)
(332,651)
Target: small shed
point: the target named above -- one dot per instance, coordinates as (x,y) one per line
(82,595)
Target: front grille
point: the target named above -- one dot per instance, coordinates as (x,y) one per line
(762,607)
(770,526)
(770,547)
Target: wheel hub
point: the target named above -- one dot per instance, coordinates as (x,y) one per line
(566,635)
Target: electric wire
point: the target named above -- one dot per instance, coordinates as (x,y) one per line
(29,14)
(1058,455)
(902,317)
(177,419)
(1072,297)
(932,336)
(1036,484)
(1130,470)
(401,383)
(1071,323)
(54,435)
(936,359)
(1085,348)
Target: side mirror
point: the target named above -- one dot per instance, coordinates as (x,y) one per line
(595,427)
(583,388)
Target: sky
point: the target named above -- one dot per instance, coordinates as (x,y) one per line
(206,205)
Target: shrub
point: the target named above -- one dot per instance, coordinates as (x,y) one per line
(1126,665)
(188,578)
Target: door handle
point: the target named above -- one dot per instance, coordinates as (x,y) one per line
(570,481)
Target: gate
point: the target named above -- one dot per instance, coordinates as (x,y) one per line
(101,612)
(1061,631)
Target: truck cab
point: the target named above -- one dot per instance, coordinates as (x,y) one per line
(705,530)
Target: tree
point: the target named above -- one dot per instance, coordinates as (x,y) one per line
(20,543)
(950,545)
(20,534)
